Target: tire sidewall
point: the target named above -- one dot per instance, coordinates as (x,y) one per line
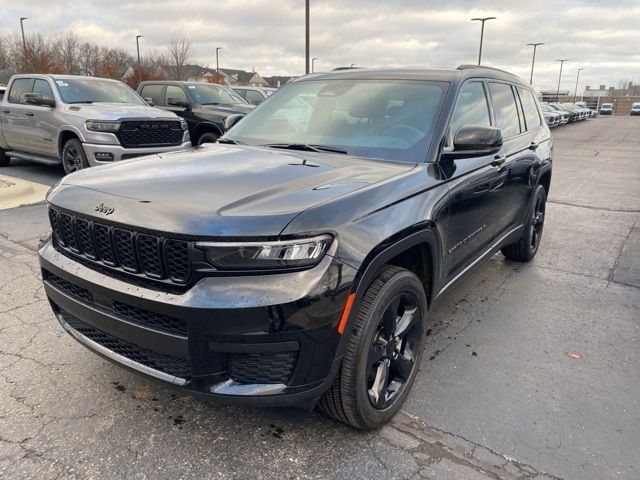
(402,281)
(83,158)
(209,135)
(539,192)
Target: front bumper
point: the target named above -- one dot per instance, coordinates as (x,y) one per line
(120,153)
(266,340)
(634,112)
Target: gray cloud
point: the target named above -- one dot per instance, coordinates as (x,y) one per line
(600,36)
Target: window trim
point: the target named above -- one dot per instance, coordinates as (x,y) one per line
(181,87)
(33,84)
(163,88)
(516,99)
(28,90)
(448,133)
(536,104)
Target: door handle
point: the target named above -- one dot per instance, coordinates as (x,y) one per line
(498,160)
(6,111)
(533,146)
(29,114)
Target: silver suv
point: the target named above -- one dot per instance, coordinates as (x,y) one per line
(82,122)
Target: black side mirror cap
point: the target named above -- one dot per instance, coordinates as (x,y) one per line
(231,120)
(476,140)
(39,100)
(174,102)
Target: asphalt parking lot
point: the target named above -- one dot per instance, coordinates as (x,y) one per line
(531,371)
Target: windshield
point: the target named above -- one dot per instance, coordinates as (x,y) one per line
(607,105)
(85,90)
(209,94)
(388,119)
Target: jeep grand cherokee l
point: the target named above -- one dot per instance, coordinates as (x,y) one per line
(204,106)
(82,122)
(297,260)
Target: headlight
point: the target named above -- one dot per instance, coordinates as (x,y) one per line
(102,126)
(184,125)
(302,252)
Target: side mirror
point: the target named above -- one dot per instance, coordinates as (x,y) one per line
(231,120)
(39,100)
(174,102)
(475,140)
(149,100)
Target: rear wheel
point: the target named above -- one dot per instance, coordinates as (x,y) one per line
(383,353)
(526,248)
(4,159)
(73,156)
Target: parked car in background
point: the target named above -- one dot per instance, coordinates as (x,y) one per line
(297,263)
(581,112)
(81,122)
(254,95)
(204,106)
(553,119)
(3,88)
(565,116)
(606,109)
(635,108)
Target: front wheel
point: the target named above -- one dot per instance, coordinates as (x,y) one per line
(73,156)
(4,159)
(526,248)
(383,353)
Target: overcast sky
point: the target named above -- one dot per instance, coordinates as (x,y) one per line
(601,36)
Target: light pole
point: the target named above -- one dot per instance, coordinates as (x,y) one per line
(313,64)
(218,64)
(24,42)
(562,60)
(481,33)
(306,25)
(138,37)
(577,77)
(533,61)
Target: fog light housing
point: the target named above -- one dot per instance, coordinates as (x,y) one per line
(103,156)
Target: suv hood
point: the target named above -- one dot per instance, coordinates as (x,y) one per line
(117,111)
(218,190)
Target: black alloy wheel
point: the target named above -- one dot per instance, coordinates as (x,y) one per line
(527,246)
(537,222)
(73,156)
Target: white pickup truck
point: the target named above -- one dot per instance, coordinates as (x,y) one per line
(82,121)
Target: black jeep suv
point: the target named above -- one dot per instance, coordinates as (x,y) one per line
(297,260)
(204,106)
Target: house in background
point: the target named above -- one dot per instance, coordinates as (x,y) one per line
(277,81)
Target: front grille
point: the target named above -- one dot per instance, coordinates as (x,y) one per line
(165,363)
(151,319)
(68,287)
(261,367)
(119,249)
(150,133)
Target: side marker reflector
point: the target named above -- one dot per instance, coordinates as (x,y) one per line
(345,313)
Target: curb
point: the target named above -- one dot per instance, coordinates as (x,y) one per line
(15,192)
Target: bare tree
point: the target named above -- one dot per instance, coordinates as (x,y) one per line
(180,52)
(65,48)
(5,53)
(89,58)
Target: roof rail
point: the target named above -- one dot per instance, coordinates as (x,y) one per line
(469,66)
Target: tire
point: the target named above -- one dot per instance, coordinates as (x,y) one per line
(73,156)
(4,159)
(527,246)
(208,137)
(355,398)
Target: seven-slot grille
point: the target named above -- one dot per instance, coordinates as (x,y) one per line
(120,249)
(150,133)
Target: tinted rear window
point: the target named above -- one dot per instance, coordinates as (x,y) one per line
(153,92)
(506,111)
(531,114)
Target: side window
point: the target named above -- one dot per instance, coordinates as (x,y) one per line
(471,109)
(253,96)
(42,87)
(18,88)
(154,92)
(242,93)
(175,92)
(506,111)
(530,107)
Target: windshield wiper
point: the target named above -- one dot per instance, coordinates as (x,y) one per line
(211,103)
(82,101)
(229,141)
(305,147)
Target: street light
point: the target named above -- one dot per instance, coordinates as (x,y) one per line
(481,33)
(217,64)
(138,37)
(313,63)
(562,60)
(306,44)
(577,77)
(533,61)
(24,42)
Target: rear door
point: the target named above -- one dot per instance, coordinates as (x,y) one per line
(16,114)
